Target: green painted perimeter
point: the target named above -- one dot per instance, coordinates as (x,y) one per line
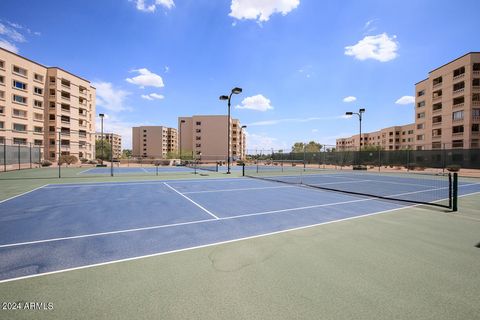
(415,263)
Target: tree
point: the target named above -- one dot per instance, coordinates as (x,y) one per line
(107,149)
(126,153)
(68,159)
(312,146)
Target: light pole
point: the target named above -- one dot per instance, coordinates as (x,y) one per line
(101,115)
(180,144)
(235,90)
(359,114)
(243,141)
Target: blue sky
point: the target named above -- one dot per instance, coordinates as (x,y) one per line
(298,61)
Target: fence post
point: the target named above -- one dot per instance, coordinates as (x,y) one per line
(30,155)
(379,160)
(19,167)
(455,192)
(111,157)
(5,155)
(444,156)
(408,160)
(59,153)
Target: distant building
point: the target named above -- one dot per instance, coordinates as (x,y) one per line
(38,102)
(205,137)
(391,138)
(154,141)
(447,112)
(114,139)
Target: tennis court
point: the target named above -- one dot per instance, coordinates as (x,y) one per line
(69,226)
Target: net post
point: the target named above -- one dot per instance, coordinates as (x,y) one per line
(455,192)
(450,187)
(257,165)
(243,169)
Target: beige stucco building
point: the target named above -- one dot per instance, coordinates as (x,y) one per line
(447,112)
(447,105)
(115,140)
(154,141)
(47,107)
(391,138)
(205,137)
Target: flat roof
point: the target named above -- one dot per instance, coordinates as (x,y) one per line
(41,65)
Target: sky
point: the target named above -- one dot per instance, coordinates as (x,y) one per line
(301,63)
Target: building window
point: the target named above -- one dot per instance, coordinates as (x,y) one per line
(198,145)
(437,132)
(419,116)
(38,116)
(457,143)
(19,85)
(20,71)
(198,138)
(476,67)
(2,80)
(437,119)
(52,80)
(436,145)
(458,72)
(421,93)
(38,90)
(457,129)
(2,110)
(65,83)
(476,82)
(2,94)
(51,117)
(410,132)
(437,94)
(457,115)
(421,104)
(459,100)
(475,127)
(420,137)
(19,127)
(19,113)
(437,81)
(474,143)
(38,129)
(2,64)
(2,125)
(198,123)
(38,103)
(52,92)
(437,106)
(38,77)
(459,86)
(19,99)
(38,142)
(198,130)
(19,141)
(65,95)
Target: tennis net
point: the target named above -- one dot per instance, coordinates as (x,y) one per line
(199,165)
(418,188)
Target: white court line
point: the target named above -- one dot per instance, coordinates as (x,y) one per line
(86,170)
(215,243)
(145,170)
(190,200)
(140,182)
(21,194)
(239,189)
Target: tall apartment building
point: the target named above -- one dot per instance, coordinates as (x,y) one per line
(205,136)
(115,140)
(391,138)
(47,107)
(447,105)
(154,141)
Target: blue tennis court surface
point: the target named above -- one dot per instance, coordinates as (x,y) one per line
(59,227)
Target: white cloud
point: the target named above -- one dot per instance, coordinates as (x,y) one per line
(153,6)
(293,120)
(109,97)
(257,102)
(152,96)
(406,100)
(146,78)
(261,10)
(314,130)
(349,99)
(8,46)
(380,47)
(258,142)
(11,33)
(167,69)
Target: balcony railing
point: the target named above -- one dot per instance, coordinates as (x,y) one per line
(476,73)
(458,91)
(434,98)
(458,105)
(438,84)
(439,123)
(459,76)
(475,118)
(456,134)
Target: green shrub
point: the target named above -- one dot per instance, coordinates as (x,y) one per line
(454,168)
(68,159)
(46,163)
(83,160)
